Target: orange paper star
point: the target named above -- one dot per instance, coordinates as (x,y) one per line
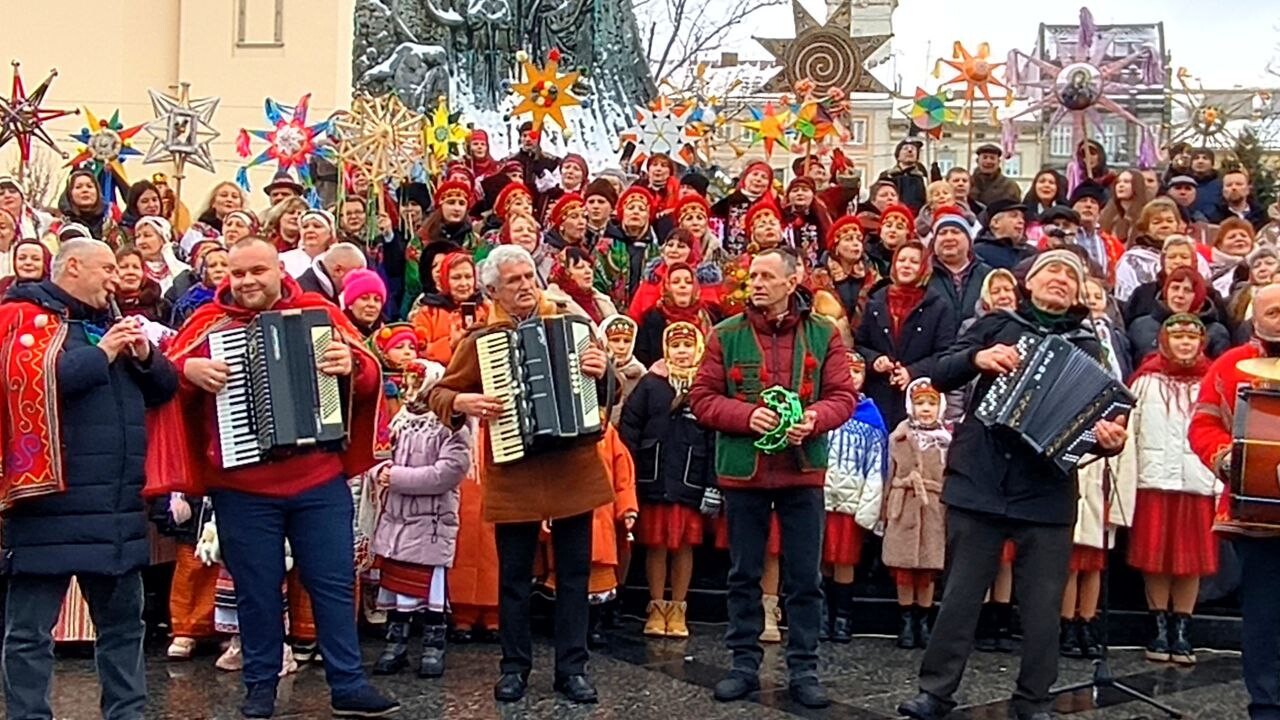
(768,125)
(977,73)
(545,92)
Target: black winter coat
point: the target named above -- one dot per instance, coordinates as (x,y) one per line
(964,300)
(911,183)
(310,281)
(1144,333)
(992,470)
(926,333)
(1001,252)
(673,454)
(99,525)
(1146,300)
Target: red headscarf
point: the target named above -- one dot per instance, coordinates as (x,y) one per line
(1199,288)
(903,298)
(696,312)
(584,296)
(447,264)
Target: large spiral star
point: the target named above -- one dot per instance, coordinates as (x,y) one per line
(825,55)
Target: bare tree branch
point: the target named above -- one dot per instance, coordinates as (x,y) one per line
(703,32)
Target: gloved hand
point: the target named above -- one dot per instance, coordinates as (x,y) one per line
(712,501)
(207,549)
(547,180)
(179,508)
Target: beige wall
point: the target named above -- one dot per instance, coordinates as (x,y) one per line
(141,44)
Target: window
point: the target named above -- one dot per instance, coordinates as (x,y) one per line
(1115,140)
(858,131)
(259,23)
(1013,166)
(946,160)
(1060,141)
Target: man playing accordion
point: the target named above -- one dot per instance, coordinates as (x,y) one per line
(997,488)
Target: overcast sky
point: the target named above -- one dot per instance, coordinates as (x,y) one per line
(1225,43)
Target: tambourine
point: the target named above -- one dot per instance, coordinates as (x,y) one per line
(786,403)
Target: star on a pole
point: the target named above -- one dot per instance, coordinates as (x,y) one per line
(545,92)
(182,129)
(22,117)
(824,54)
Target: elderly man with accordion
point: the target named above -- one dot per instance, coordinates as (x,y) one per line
(1234,432)
(1011,474)
(529,375)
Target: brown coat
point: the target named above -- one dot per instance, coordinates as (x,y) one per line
(915,524)
(538,487)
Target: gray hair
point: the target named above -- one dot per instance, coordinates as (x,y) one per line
(346,253)
(78,248)
(502,256)
(790,263)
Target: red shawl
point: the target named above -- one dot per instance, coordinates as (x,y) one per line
(695,313)
(31,339)
(176,457)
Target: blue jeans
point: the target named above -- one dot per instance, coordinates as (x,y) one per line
(251,531)
(1260,628)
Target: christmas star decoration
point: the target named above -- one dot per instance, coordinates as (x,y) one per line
(442,134)
(824,54)
(182,130)
(545,92)
(977,73)
(105,143)
(22,116)
(768,125)
(929,112)
(659,129)
(1205,117)
(379,136)
(291,143)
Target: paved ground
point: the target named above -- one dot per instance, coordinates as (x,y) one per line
(641,679)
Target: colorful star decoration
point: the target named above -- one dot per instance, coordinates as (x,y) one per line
(977,73)
(290,142)
(824,54)
(768,125)
(104,146)
(930,112)
(380,137)
(442,134)
(22,117)
(545,92)
(182,129)
(659,129)
(1206,118)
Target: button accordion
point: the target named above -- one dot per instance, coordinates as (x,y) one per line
(276,397)
(1054,398)
(1255,458)
(534,370)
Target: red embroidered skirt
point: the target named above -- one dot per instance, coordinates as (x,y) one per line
(842,541)
(1173,534)
(668,525)
(405,578)
(1087,559)
(774,546)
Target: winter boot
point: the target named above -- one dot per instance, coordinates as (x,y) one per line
(676,625)
(772,616)
(1003,614)
(985,638)
(1158,648)
(595,638)
(842,599)
(395,656)
(433,646)
(1090,639)
(924,627)
(907,627)
(656,625)
(828,610)
(1069,638)
(1180,649)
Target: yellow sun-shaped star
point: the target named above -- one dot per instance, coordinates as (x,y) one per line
(545,92)
(441,134)
(768,125)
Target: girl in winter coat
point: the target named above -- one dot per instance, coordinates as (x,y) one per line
(856,462)
(755,183)
(677,249)
(31,261)
(1123,211)
(914,517)
(82,202)
(1172,541)
(852,276)
(1184,291)
(418,527)
(805,220)
(906,325)
(681,301)
(620,339)
(674,476)
(397,345)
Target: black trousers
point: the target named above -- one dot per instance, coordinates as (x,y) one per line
(801,514)
(1260,636)
(517,543)
(1039,574)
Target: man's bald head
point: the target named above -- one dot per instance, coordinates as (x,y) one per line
(341,259)
(256,274)
(1266,312)
(86,270)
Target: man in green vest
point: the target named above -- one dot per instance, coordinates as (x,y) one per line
(776,341)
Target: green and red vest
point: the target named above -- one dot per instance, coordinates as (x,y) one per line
(746,378)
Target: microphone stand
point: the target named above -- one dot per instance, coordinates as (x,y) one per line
(1103,677)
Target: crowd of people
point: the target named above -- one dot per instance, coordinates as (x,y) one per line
(887,315)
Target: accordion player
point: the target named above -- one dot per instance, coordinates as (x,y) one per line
(534,370)
(1053,399)
(276,397)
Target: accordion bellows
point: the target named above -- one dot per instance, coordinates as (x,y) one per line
(1054,398)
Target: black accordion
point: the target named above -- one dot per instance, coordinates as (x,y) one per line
(276,397)
(1054,398)
(546,400)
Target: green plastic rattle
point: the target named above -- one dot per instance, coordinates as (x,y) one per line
(786,403)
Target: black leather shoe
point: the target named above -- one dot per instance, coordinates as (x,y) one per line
(433,650)
(461,636)
(809,694)
(842,632)
(924,628)
(577,689)
(511,687)
(363,703)
(1069,638)
(926,707)
(736,687)
(1090,639)
(985,638)
(1038,715)
(259,700)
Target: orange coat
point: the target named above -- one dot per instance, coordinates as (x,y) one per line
(438,324)
(473,579)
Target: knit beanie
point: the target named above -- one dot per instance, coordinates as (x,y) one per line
(1066,257)
(602,188)
(359,283)
(951,216)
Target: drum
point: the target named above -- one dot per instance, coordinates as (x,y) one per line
(1255,458)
